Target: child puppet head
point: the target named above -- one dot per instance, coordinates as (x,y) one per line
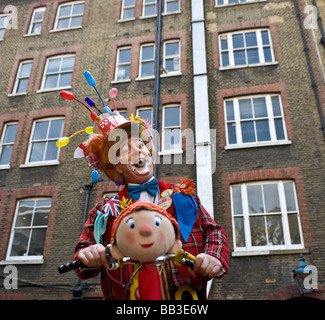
(143,232)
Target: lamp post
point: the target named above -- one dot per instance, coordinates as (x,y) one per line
(300,273)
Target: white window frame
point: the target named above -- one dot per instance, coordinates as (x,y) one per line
(171,12)
(5,18)
(18,78)
(271,122)
(249,249)
(45,74)
(240,2)
(149,60)
(3,144)
(163,138)
(144,5)
(26,258)
(176,72)
(118,64)
(259,47)
(124,7)
(33,21)
(29,163)
(72,3)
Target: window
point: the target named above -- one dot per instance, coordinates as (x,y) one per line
(171,139)
(251,47)
(22,78)
(58,72)
(265,216)
(256,120)
(171,6)
(228,2)
(123,64)
(29,229)
(42,145)
(69,16)
(36,22)
(122,113)
(7,143)
(4,19)
(149,8)
(145,114)
(127,9)
(172,57)
(147,60)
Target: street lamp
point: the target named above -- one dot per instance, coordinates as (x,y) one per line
(300,273)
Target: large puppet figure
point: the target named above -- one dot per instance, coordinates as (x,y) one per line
(124,150)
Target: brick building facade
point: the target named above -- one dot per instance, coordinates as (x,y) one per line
(261,92)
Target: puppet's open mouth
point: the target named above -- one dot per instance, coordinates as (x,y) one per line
(148,245)
(141,166)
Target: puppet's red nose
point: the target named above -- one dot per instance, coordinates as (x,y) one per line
(145,230)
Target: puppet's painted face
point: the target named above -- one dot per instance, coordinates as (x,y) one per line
(145,235)
(135,161)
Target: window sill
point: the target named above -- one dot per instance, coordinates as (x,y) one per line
(148,17)
(39,164)
(249,66)
(5,167)
(53,89)
(62,30)
(145,78)
(170,152)
(31,35)
(120,81)
(126,20)
(268,252)
(25,261)
(237,4)
(258,145)
(17,94)
(170,74)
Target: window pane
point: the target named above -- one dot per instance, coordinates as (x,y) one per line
(128,13)
(147,69)
(290,197)
(258,233)
(237,41)
(20,242)
(56,128)
(65,80)
(25,213)
(172,139)
(225,59)
(237,201)
(265,38)
(78,8)
(262,130)
(76,22)
(172,6)
(37,151)
(145,114)
(232,138)
(129,3)
(125,56)
(37,242)
(279,129)
(274,230)
(255,199)
(63,23)
(172,64)
(51,82)
(51,151)
(224,43)
(271,198)
(42,212)
(40,130)
(25,69)
(245,109)
(172,48)
(6,155)
(252,56)
(276,106)
(267,54)
(260,107)
(294,228)
(239,57)
(123,72)
(10,134)
(250,39)
(36,27)
(150,10)
(248,131)
(147,53)
(239,231)
(230,110)
(65,11)
(172,117)
(67,64)
(53,65)
(22,86)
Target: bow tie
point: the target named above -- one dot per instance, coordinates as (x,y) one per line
(151,187)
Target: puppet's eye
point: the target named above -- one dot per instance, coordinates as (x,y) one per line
(157,221)
(131,223)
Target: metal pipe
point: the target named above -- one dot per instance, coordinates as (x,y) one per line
(157,79)
(311,72)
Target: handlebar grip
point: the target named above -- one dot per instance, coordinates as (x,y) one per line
(70,266)
(188,263)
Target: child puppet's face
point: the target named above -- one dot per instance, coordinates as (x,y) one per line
(145,235)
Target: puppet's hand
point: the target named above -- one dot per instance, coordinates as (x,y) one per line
(207,265)
(93,256)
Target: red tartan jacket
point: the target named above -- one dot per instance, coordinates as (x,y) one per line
(206,237)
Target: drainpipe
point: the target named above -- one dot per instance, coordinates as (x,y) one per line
(311,72)
(157,80)
(203,144)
